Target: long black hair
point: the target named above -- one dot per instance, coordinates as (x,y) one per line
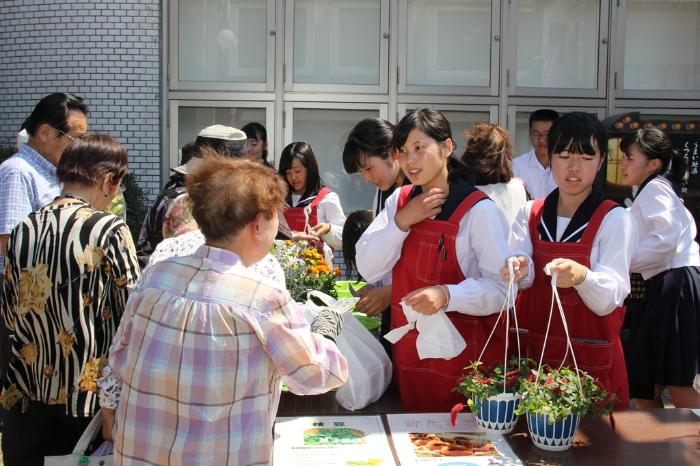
(302,152)
(434,124)
(655,144)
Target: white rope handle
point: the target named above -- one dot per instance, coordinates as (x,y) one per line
(569,346)
(505,309)
(307,214)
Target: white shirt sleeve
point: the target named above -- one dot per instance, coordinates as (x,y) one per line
(607,283)
(330,211)
(482,247)
(657,215)
(379,247)
(521,243)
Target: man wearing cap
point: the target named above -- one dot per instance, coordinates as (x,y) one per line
(226,140)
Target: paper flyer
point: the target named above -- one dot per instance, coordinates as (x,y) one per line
(430,439)
(331,441)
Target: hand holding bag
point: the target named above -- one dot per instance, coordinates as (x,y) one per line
(369,367)
(78,457)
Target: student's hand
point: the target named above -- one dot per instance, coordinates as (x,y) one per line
(321,229)
(373,301)
(301,236)
(520,269)
(423,206)
(107,423)
(428,300)
(569,273)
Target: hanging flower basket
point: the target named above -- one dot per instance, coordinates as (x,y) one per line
(553,436)
(496,413)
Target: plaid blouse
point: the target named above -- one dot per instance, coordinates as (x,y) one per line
(68,273)
(202,350)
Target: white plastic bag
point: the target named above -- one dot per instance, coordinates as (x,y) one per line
(78,456)
(369,367)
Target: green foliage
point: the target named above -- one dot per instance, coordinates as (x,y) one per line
(557,393)
(304,269)
(136,205)
(485,382)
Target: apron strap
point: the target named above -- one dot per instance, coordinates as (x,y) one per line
(596,220)
(466,206)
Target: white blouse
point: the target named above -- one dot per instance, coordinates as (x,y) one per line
(607,281)
(666,231)
(480,255)
(509,197)
(329,211)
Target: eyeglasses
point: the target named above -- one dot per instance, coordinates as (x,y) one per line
(72,138)
(537,135)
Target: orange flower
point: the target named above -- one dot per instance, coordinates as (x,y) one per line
(336,270)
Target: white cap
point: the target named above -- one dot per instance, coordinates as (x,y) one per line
(227,133)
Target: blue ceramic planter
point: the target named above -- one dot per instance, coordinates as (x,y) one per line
(496,413)
(557,436)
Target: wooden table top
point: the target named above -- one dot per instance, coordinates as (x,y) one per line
(668,437)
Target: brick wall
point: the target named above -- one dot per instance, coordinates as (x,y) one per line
(108,52)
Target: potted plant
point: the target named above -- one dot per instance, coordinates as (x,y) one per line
(554,401)
(493,393)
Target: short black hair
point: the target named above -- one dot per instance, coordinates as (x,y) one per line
(355,225)
(189,150)
(303,152)
(369,138)
(573,133)
(53,110)
(543,114)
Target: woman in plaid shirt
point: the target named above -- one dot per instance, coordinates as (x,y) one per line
(205,342)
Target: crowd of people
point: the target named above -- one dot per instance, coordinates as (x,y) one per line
(182,339)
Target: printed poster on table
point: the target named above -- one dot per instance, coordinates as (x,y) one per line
(331,441)
(430,439)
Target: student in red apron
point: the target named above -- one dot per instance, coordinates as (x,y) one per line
(588,242)
(299,169)
(665,342)
(444,242)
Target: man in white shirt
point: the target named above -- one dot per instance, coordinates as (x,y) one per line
(533,167)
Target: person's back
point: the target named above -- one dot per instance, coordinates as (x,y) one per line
(206,342)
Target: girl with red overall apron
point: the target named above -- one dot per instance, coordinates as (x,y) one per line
(587,241)
(309,199)
(444,242)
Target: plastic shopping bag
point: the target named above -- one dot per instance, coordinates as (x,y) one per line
(101,457)
(369,367)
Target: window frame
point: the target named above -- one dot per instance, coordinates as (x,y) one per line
(402,72)
(600,91)
(618,68)
(288,65)
(173,69)
(175,104)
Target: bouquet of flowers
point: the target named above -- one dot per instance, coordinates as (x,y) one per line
(304,269)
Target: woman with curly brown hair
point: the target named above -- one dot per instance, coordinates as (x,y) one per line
(488,158)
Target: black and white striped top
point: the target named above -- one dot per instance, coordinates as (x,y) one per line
(68,272)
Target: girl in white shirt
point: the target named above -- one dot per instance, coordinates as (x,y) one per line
(665,344)
(443,241)
(298,167)
(587,241)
